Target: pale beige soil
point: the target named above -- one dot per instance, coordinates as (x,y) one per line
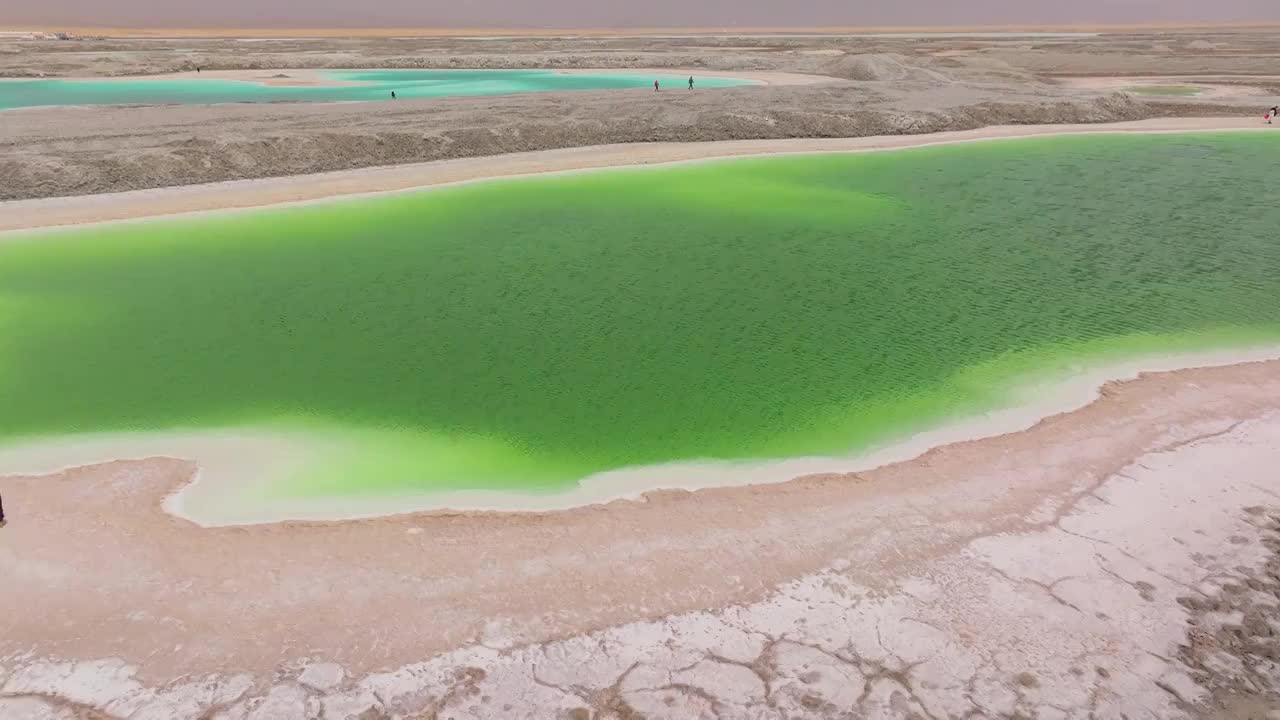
(763,77)
(1210,86)
(1047,553)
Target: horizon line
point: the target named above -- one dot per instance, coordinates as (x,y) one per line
(517,31)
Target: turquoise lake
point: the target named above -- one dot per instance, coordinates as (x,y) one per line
(372,85)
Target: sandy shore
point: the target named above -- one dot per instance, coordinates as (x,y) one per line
(50,212)
(919,586)
(763,77)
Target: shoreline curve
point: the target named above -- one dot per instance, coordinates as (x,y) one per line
(227,462)
(136,205)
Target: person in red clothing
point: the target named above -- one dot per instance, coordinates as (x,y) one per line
(655,86)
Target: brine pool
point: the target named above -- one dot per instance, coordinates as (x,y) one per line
(355,86)
(521,335)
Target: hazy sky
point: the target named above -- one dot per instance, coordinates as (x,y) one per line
(623,13)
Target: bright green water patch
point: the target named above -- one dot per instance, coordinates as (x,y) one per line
(1183,90)
(374,85)
(523,334)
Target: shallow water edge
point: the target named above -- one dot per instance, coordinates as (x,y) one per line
(232,464)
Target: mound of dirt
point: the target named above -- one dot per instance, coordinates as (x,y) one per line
(880,67)
(181,145)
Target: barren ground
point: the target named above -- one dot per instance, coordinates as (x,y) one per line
(878,86)
(1119,561)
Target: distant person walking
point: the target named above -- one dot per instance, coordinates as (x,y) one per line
(393,94)
(1271,114)
(690,82)
(1,512)
(655,86)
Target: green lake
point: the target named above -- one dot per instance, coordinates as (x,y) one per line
(523,334)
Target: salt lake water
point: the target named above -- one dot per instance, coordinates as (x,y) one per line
(365,85)
(523,334)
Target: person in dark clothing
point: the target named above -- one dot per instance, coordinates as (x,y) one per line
(393,94)
(690,82)
(1272,114)
(1,512)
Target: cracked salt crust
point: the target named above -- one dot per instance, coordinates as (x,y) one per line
(1085,614)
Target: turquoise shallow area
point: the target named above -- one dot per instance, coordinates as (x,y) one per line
(374,85)
(522,334)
